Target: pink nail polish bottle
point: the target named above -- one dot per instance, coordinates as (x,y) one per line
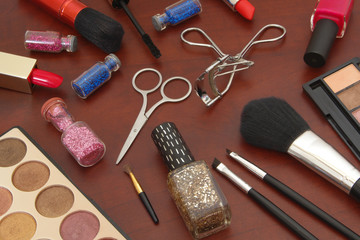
(328,21)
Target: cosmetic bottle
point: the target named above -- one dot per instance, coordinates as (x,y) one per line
(49,41)
(21,74)
(96,76)
(194,190)
(77,137)
(328,21)
(176,13)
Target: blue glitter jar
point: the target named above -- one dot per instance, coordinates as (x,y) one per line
(95,76)
(176,13)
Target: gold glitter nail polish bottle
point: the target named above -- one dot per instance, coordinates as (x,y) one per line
(197,196)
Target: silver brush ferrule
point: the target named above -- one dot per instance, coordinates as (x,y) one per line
(233,177)
(251,167)
(318,155)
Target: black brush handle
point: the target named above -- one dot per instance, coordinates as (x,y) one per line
(281,215)
(355,190)
(296,197)
(148,207)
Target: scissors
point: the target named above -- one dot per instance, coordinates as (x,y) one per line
(144,116)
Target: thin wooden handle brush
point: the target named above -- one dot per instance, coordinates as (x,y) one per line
(264,202)
(142,194)
(294,196)
(273,124)
(96,27)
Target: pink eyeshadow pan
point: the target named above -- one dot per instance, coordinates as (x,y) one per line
(80,225)
(5,200)
(356,114)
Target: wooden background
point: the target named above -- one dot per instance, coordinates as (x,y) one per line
(278,71)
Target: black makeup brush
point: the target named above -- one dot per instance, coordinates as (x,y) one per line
(145,37)
(142,194)
(263,201)
(294,196)
(98,28)
(273,124)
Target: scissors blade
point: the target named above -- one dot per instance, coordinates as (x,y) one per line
(139,123)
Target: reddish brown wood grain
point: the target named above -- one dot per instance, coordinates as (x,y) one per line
(278,71)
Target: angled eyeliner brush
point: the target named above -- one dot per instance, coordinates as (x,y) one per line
(263,202)
(296,197)
(142,194)
(145,37)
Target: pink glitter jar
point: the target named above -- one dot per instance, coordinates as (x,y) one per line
(48,41)
(77,137)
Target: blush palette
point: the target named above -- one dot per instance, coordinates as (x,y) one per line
(337,94)
(37,201)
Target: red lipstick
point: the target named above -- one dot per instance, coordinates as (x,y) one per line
(21,74)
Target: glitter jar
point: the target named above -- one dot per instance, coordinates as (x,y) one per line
(194,190)
(176,13)
(95,76)
(77,137)
(49,41)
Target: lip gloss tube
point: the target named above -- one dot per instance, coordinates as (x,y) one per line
(21,74)
(328,21)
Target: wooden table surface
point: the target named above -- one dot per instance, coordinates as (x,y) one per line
(278,71)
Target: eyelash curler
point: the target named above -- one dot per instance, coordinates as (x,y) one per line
(225,61)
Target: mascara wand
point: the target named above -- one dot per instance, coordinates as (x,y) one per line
(145,37)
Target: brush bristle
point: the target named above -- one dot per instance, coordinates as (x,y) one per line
(215,163)
(271,123)
(101,30)
(127,168)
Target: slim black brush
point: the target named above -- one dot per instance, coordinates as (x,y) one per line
(145,37)
(142,195)
(273,124)
(96,27)
(263,201)
(294,196)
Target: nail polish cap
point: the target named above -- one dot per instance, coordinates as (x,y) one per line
(171,145)
(320,43)
(245,8)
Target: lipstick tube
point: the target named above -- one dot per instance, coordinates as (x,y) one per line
(21,74)
(328,21)
(244,7)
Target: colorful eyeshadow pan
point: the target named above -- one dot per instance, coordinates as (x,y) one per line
(5,200)
(337,94)
(37,201)
(12,151)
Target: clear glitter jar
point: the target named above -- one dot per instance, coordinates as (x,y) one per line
(95,76)
(77,137)
(176,13)
(48,41)
(194,190)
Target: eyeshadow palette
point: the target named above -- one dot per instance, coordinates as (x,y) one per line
(337,94)
(37,201)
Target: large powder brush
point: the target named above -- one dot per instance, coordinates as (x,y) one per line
(96,27)
(273,124)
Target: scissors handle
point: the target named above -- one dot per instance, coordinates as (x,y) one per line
(146,91)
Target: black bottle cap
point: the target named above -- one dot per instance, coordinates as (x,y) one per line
(171,145)
(321,41)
